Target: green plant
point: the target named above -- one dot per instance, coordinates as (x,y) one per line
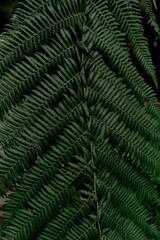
(80,125)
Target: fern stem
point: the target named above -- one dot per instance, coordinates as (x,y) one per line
(95,195)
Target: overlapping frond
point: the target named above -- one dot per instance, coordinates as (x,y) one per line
(37,31)
(126,11)
(147,10)
(80,127)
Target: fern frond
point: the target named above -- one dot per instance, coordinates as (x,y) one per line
(124,227)
(42,96)
(79,124)
(128,203)
(53,196)
(107,91)
(125,12)
(38,137)
(29,9)
(136,180)
(87,231)
(135,145)
(101,10)
(103,41)
(46,167)
(147,10)
(57,228)
(36,32)
(35,68)
(111,235)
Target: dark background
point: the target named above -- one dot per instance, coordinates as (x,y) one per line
(7,8)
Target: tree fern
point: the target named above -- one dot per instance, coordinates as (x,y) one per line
(147,10)
(79,124)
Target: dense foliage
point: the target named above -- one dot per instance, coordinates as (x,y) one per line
(79,123)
